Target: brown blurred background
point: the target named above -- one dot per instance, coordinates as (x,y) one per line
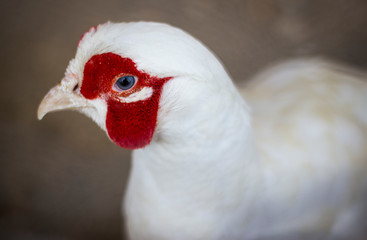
(62,178)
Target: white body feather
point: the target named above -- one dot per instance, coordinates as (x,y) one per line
(298,168)
(292,162)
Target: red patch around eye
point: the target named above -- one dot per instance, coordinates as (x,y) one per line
(130,125)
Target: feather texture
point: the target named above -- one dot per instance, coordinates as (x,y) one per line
(281,158)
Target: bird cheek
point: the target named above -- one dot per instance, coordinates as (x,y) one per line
(131,125)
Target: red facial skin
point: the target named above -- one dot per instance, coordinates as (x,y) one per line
(129,125)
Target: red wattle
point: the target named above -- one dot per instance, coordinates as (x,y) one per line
(131,125)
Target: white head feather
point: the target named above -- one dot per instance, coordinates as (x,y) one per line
(162,51)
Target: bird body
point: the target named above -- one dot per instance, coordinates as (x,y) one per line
(207,164)
(312,140)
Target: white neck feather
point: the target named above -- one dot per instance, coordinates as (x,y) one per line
(199,153)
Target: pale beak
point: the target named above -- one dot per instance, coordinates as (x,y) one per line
(61,97)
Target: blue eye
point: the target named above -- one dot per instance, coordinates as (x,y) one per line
(125,83)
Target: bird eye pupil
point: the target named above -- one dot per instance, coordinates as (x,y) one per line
(125,82)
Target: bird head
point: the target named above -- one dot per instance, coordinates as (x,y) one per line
(129,77)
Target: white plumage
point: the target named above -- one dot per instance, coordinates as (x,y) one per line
(291,161)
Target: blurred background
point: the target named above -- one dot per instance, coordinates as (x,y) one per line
(62,178)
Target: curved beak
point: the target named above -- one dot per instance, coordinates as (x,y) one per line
(61,97)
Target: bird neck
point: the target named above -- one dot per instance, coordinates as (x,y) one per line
(208,159)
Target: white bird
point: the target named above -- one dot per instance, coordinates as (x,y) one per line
(286,160)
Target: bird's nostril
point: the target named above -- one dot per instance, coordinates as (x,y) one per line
(75,87)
